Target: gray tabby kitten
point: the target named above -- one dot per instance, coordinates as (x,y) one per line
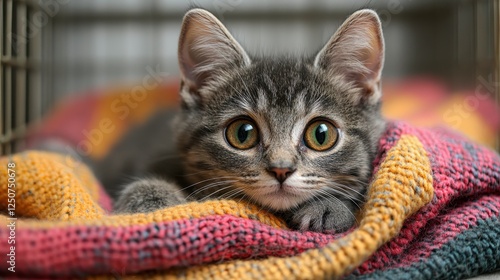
(295,136)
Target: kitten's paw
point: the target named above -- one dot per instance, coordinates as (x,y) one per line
(323,216)
(148,195)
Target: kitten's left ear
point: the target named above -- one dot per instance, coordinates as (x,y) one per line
(206,50)
(356,53)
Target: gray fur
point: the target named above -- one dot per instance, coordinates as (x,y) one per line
(281,95)
(147,195)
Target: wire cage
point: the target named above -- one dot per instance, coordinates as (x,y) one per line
(20,79)
(51,49)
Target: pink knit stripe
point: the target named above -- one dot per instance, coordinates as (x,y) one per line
(92,250)
(197,241)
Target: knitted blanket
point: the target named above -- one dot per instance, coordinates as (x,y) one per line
(432,212)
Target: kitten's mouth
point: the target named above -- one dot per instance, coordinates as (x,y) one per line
(281,197)
(287,189)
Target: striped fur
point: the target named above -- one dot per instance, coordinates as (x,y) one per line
(281,95)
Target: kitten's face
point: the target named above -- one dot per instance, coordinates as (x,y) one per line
(277,131)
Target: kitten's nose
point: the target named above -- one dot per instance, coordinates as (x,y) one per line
(281,173)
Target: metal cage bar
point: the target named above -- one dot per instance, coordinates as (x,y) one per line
(19,72)
(7,56)
(2,35)
(27,92)
(21,75)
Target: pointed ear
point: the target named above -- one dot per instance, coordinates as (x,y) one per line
(205,49)
(356,53)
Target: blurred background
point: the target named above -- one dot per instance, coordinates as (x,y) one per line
(437,52)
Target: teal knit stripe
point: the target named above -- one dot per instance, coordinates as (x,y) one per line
(472,252)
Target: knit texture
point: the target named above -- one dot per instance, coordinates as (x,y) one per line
(432,212)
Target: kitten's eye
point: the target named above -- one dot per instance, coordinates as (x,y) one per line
(320,135)
(242,134)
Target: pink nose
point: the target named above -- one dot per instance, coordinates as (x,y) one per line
(281,173)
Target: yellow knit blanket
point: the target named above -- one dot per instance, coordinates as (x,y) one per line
(55,192)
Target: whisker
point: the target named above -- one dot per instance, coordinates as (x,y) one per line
(328,196)
(347,196)
(211,185)
(233,193)
(252,199)
(319,200)
(204,188)
(344,193)
(339,184)
(209,179)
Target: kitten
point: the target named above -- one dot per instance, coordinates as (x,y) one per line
(295,136)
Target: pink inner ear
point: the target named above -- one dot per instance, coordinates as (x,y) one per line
(194,26)
(373,56)
(356,52)
(188,58)
(187,66)
(206,47)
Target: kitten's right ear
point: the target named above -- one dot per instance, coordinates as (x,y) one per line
(356,52)
(205,49)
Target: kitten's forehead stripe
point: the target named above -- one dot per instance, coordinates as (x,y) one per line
(261,100)
(300,104)
(269,83)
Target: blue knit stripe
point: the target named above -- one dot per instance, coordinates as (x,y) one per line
(472,252)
